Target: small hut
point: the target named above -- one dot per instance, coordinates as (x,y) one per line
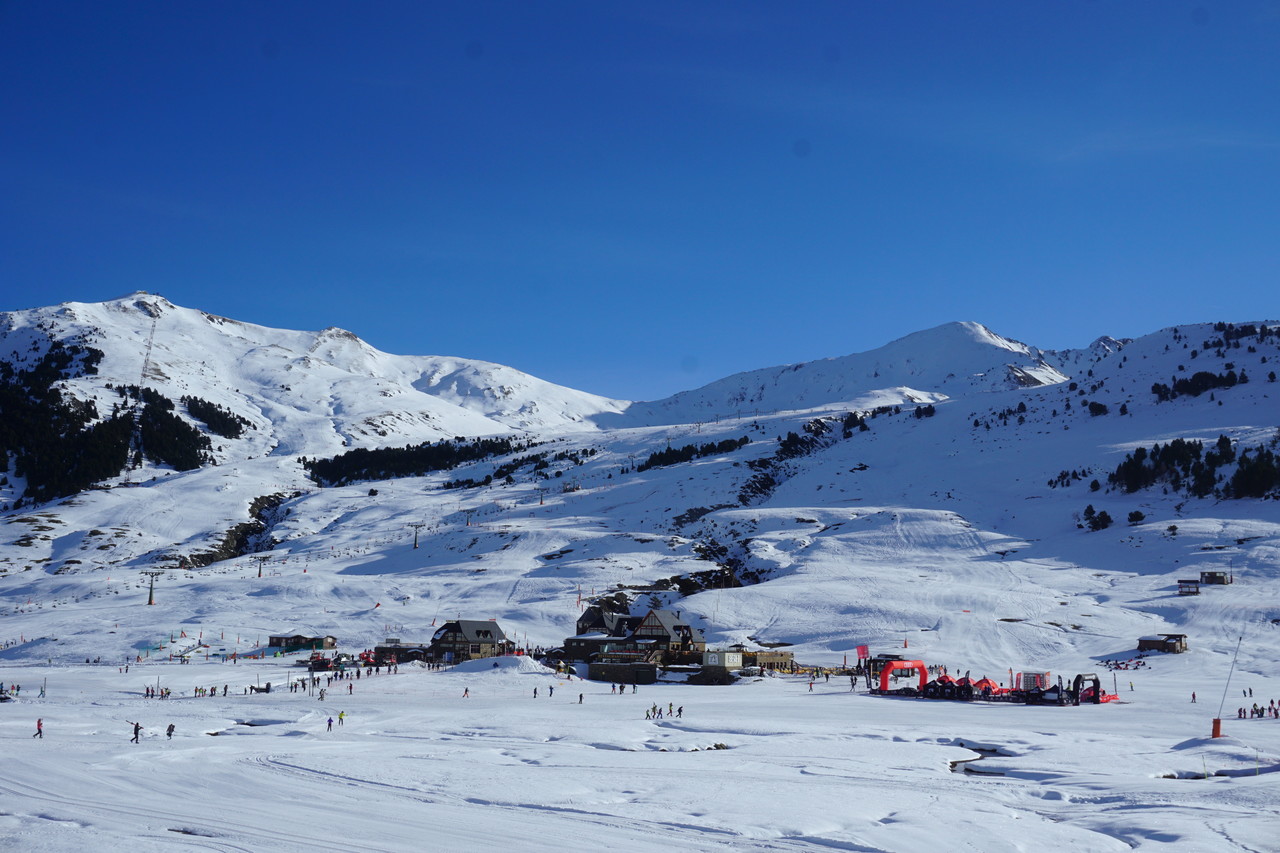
(1171,643)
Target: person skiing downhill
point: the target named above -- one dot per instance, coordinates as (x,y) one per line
(169,731)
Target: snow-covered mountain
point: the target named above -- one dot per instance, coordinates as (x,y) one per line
(315,393)
(952,492)
(955,359)
(304,392)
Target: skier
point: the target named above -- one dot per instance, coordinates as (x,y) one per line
(1193,696)
(680,711)
(466,692)
(579,698)
(169,731)
(551,691)
(39,729)
(535,693)
(330,725)
(137,730)
(342,715)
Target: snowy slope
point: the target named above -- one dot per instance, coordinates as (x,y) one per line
(950,536)
(954,359)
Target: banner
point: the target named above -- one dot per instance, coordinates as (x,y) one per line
(862,653)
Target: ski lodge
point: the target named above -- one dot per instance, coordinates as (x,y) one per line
(300,642)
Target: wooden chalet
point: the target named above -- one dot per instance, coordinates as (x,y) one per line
(298,642)
(597,631)
(466,639)
(1171,643)
(669,631)
(661,636)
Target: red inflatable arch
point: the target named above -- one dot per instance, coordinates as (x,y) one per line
(891,666)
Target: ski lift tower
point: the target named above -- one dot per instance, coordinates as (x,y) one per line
(416,525)
(261,560)
(151,592)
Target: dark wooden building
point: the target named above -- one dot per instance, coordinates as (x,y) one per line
(298,642)
(1172,643)
(467,639)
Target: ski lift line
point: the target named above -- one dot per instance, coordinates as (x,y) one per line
(135,440)
(1230,672)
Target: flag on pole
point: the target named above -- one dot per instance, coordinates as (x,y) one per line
(863,654)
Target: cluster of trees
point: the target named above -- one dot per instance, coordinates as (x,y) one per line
(927,411)
(166,438)
(1199,382)
(1232,334)
(792,445)
(1096,520)
(1183,464)
(169,440)
(52,440)
(852,421)
(1066,478)
(408,461)
(676,455)
(1020,412)
(1177,463)
(1257,475)
(220,421)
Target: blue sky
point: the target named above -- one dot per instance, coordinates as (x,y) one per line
(635,199)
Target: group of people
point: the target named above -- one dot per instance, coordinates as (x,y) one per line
(15,690)
(157,692)
(138,727)
(655,712)
(1254,711)
(1259,712)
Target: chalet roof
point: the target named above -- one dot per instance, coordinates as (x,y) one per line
(613,624)
(473,631)
(673,624)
